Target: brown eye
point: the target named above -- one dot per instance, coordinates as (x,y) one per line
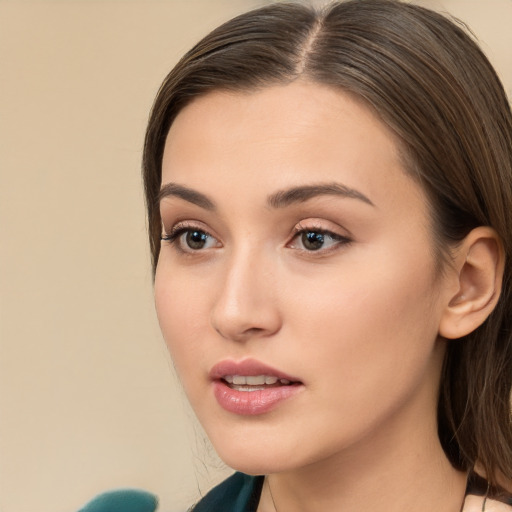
(190,239)
(318,240)
(312,240)
(196,239)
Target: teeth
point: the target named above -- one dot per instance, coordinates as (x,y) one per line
(249,388)
(253,380)
(258,380)
(239,380)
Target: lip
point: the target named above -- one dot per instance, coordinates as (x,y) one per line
(250,403)
(249,367)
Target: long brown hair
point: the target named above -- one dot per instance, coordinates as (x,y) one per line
(430,83)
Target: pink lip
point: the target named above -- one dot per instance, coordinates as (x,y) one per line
(250,402)
(249,367)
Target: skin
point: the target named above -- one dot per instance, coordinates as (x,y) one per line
(356,321)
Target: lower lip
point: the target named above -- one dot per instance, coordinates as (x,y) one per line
(251,403)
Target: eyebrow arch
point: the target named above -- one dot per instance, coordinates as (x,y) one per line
(279,199)
(301,194)
(187,194)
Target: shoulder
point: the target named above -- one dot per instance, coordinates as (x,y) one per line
(476,504)
(498,499)
(238,493)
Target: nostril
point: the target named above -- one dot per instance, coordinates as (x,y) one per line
(240,335)
(241,325)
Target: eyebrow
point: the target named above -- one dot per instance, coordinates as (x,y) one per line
(303,193)
(279,199)
(187,194)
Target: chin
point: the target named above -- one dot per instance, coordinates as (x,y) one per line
(252,456)
(256,466)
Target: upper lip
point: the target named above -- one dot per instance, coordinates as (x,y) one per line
(247,367)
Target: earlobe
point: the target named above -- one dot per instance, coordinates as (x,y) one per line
(479,263)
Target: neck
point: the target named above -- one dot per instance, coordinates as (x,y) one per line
(416,482)
(400,467)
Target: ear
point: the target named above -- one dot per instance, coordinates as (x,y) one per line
(478,265)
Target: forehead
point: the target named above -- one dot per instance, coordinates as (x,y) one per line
(282,136)
(297,110)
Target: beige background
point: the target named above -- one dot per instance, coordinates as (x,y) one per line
(88,400)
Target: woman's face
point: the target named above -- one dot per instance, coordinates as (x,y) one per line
(296,288)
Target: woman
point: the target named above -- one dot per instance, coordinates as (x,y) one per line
(329,199)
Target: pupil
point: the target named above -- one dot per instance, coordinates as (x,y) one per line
(313,240)
(196,239)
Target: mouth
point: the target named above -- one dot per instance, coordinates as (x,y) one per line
(250,383)
(250,387)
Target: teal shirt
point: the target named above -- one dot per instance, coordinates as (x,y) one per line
(238,493)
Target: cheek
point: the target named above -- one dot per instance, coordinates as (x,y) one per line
(365,293)
(182,313)
(366,329)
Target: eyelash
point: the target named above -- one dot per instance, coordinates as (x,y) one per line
(182,228)
(339,239)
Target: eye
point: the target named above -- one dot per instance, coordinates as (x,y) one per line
(316,239)
(190,239)
(196,240)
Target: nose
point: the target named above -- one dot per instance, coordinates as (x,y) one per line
(246,306)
